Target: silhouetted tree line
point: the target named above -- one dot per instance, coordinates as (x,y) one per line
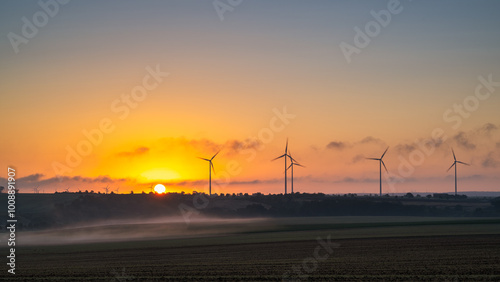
(57,210)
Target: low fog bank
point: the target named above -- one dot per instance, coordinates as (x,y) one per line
(134,229)
(46,212)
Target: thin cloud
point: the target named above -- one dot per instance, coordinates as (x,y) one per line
(258,181)
(236,146)
(371,140)
(31,178)
(192,183)
(137,152)
(463,141)
(99,179)
(55,183)
(487,129)
(356,180)
(490,161)
(406,148)
(467,177)
(358,158)
(337,145)
(341,145)
(203,144)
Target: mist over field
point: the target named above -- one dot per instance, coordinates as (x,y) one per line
(134,229)
(255,237)
(42,212)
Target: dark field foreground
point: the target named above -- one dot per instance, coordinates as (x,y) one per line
(452,258)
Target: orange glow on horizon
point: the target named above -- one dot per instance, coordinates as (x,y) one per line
(160,174)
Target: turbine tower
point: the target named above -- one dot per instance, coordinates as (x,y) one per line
(210,168)
(294,163)
(455,164)
(285,155)
(381,162)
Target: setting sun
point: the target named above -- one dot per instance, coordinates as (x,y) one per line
(160,188)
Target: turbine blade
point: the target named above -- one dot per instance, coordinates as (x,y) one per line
(286,147)
(289,166)
(450,167)
(384,153)
(215,155)
(373,159)
(462,163)
(212,165)
(203,159)
(299,164)
(453,154)
(384,166)
(279,157)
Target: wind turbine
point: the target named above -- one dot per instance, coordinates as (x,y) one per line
(294,163)
(455,164)
(210,168)
(381,162)
(106,189)
(285,155)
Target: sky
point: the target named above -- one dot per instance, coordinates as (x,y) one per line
(128,94)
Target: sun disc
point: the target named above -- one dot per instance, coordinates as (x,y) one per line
(160,188)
